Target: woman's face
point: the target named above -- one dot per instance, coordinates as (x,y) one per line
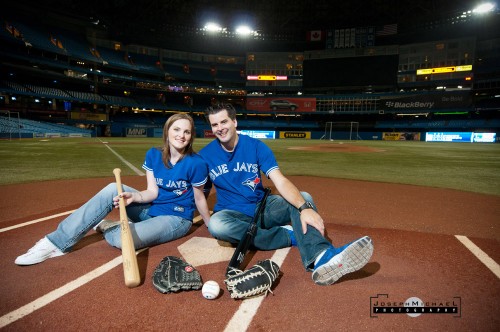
(179,135)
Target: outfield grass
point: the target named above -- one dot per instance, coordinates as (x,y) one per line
(463,166)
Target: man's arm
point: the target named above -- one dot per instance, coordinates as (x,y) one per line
(290,192)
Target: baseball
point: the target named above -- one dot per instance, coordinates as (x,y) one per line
(210,290)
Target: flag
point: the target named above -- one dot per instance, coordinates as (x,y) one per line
(388,29)
(315,35)
(56,42)
(95,52)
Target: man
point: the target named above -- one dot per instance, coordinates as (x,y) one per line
(235,164)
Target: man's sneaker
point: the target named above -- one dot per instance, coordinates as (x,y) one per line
(338,262)
(104,225)
(289,229)
(42,250)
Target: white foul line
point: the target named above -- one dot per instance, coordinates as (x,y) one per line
(59,292)
(135,169)
(35,221)
(481,255)
(132,167)
(248,308)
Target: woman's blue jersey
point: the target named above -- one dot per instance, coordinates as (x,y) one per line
(175,185)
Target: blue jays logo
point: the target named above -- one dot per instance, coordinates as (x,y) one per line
(252,182)
(179,192)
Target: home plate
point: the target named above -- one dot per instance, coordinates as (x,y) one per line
(203,250)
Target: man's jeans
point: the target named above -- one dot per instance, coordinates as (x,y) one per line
(230,226)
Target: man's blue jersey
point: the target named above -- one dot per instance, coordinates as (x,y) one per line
(175,185)
(237,175)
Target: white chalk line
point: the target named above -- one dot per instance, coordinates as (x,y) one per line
(135,169)
(35,221)
(240,320)
(248,308)
(59,292)
(481,255)
(132,167)
(72,285)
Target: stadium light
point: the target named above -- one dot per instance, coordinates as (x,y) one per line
(244,30)
(484,8)
(212,27)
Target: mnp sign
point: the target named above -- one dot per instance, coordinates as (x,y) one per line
(136,132)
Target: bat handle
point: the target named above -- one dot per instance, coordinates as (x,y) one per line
(117,172)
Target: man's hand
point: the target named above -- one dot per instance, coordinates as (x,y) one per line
(311,217)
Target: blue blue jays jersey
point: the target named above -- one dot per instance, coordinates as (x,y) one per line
(175,185)
(237,175)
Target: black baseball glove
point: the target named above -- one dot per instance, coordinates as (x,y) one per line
(255,281)
(174,274)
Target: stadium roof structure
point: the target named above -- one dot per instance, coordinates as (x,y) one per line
(156,22)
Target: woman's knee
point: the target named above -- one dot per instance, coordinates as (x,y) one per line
(113,237)
(110,189)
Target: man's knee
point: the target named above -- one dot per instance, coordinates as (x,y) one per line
(307,196)
(217,228)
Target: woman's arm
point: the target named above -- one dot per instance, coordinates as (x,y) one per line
(145,196)
(201,204)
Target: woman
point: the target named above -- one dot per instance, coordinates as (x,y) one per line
(161,213)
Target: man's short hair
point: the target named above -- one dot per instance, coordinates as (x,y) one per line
(214,109)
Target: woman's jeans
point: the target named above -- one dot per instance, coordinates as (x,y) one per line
(230,226)
(146,230)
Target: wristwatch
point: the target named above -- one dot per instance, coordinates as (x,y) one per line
(306,205)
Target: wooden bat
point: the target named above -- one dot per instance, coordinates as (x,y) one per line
(130,266)
(247,238)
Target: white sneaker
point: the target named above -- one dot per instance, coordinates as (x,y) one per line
(42,250)
(104,225)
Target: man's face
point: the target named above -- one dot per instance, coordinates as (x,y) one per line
(223,127)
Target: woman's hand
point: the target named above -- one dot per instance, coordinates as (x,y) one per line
(128,197)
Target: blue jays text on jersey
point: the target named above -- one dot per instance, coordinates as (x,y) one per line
(240,167)
(236,175)
(175,184)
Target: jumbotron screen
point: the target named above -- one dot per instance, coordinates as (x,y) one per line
(354,71)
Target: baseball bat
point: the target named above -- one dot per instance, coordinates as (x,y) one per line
(247,238)
(130,266)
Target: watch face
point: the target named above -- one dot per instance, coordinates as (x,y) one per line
(306,205)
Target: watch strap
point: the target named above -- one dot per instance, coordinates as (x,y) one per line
(306,205)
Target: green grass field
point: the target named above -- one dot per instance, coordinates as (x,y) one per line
(463,166)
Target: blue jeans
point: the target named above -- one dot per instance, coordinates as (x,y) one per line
(230,225)
(146,230)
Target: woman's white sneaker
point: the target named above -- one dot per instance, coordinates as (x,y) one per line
(42,250)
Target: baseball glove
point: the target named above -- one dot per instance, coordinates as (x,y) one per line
(174,274)
(254,281)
